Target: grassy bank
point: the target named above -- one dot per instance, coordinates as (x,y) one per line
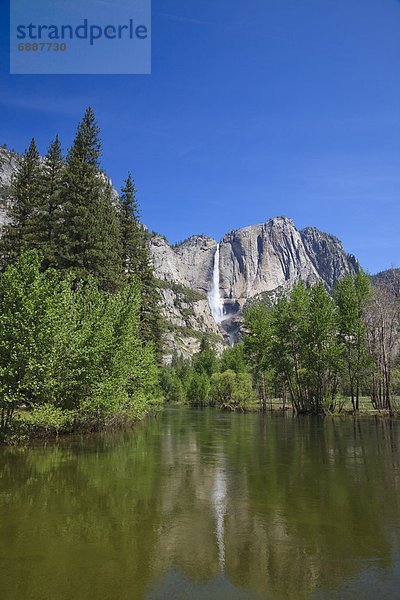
(344,407)
(47,422)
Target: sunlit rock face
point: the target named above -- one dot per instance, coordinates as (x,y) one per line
(196,256)
(256,262)
(328,256)
(261,258)
(7,167)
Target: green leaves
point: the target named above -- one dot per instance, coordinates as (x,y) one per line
(352,296)
(70,345)
(298,340)
(68,210)
(232,390)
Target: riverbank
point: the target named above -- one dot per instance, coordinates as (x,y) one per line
(49,422)
(344,408)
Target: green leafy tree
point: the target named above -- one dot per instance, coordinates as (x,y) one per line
(70,345)
(232,390)
(26,297)
(244,393)
(322,352)
(171,385)
(199,389)
(286,349)
(298,340)
(205,361)
(352,294)
(257,350)
(234,358)
(184,370)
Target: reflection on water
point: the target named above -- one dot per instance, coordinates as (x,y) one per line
(205,504)
(219,503)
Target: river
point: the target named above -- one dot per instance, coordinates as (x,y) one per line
(205,505)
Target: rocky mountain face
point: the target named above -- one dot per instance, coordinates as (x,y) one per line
(390,277)
(256,262)
(7,167)
(184,273)
(327,256)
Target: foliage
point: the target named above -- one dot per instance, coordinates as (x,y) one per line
(26,303)
(234,359)
(70,345)
(172,385)
(79,322)
(44,420)
(198,389)
(47,219)
(210,381)
(20,233)
(298,340)
(206,360)
(137,262)
(352,296)
(88,234)
(315,346)
(232,390)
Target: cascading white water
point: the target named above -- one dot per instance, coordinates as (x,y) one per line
(214,299)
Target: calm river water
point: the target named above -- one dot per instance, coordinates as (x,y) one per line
(204,505)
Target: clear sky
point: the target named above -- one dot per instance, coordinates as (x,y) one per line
(254,108)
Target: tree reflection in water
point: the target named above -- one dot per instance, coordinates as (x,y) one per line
(204,500)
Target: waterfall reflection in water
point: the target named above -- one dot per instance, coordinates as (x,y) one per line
(205,504)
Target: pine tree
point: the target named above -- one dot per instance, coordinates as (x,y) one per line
(131,229)
(150,319)
(49,213)
(88,239)
(137,263)
(20,234)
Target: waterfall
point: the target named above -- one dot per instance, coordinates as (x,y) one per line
(214,299)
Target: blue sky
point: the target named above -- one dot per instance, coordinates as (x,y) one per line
(254,108)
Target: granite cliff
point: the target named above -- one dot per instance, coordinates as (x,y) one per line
(256,262)
(7,167)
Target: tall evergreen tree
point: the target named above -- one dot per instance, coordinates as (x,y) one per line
(25,199)
(49,212)
(137,263)
(131,229)
(88,239)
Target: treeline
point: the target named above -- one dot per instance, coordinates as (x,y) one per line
(209,380)
(80,328)
(311,349)
(318,349)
